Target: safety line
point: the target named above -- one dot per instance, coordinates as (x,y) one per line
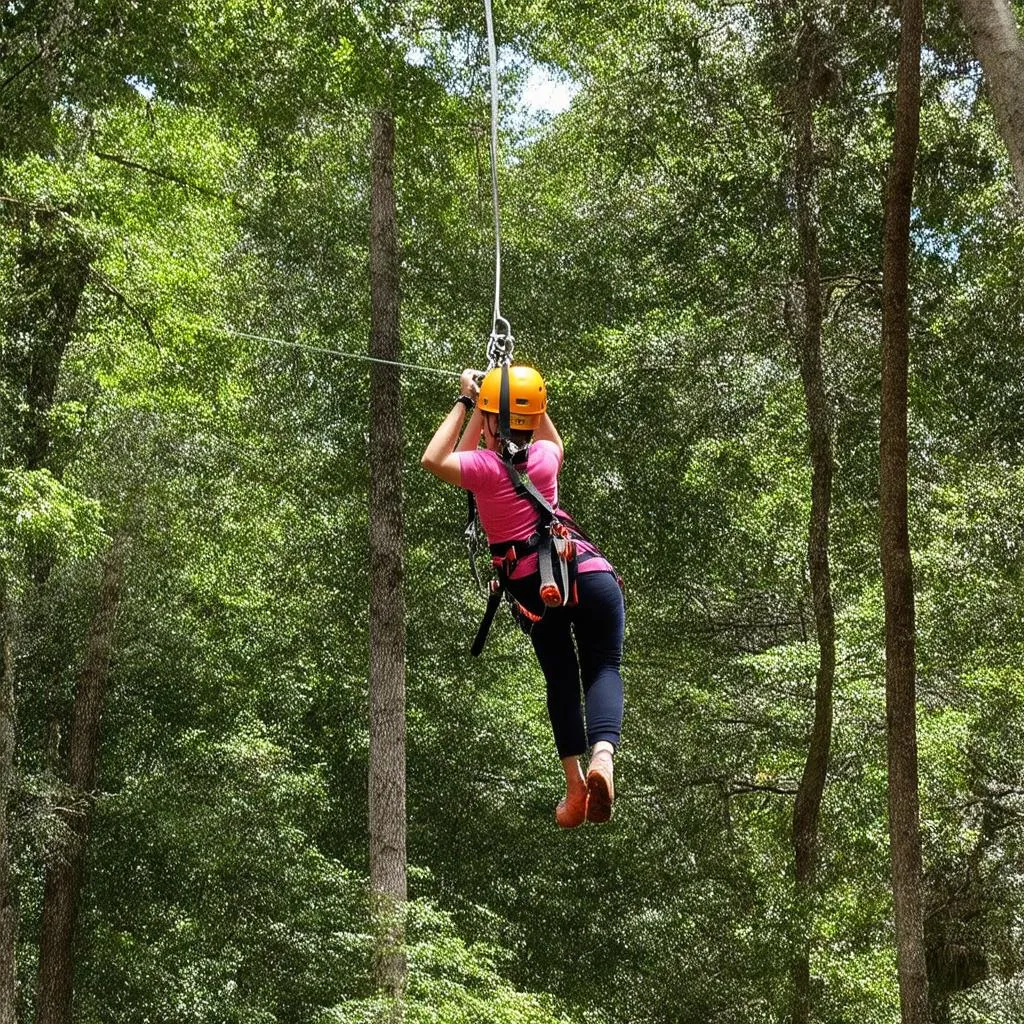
(335,352)
(493,51)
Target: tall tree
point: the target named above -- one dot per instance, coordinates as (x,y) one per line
(66,871)
(8,903)
(998,45)
(897,569)
(53,263)
(387,605)
(807,805)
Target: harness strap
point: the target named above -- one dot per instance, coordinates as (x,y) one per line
(525,487)
(550,592)
(493,602)
(505,406)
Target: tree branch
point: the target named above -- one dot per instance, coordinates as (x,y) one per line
(781,789)
(173,178)
(106,285)
(14,75)
(736,787)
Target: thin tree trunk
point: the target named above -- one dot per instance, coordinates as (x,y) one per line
(897,576)
(807,805)
(387,606)
(998,46)
(53,271)
(8,901)
(64,875)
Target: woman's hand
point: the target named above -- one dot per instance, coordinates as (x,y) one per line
(469,383)
(441,457)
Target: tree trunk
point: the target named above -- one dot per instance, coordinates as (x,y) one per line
(904,809)
(387,606)
(998,46)
(807,806)
(64,875)
(53,270)
(8,901)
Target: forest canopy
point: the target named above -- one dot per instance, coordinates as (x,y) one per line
(696,255)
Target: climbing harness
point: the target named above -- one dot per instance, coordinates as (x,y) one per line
(518,395)
(555,541)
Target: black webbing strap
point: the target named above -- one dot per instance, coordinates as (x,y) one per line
(485,626)
(524,485)
(505,406)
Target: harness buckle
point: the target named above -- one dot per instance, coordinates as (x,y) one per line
(564,542)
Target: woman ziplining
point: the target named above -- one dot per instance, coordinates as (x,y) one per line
(565,595)
(563,592)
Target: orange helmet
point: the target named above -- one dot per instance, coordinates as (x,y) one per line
(527,396)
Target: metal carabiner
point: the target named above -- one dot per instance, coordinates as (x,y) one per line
(500,344)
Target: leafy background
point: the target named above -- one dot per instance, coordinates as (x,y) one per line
(174,172)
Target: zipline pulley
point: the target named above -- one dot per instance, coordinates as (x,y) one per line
(500,344)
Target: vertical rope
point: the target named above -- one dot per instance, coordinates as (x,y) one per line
(499,348)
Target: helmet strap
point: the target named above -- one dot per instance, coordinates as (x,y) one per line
(505,407)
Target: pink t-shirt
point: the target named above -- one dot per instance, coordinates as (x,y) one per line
(506,515)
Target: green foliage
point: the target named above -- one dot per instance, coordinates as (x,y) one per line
(450,982)
(175,172)
(45,519)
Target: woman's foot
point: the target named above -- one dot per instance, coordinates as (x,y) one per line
(600,787)
(572,811)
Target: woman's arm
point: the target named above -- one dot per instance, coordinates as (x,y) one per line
(440,457)
(545,431)
(471,435)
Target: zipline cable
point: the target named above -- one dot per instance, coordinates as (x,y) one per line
(501,342)
(334,352)
(499,348)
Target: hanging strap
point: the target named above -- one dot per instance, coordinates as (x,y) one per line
(505,408)
(493,601)
(472,538)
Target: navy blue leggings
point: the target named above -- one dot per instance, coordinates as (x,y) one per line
(597,622)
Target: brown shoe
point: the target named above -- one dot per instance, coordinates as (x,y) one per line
(600,791)
(571,812)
